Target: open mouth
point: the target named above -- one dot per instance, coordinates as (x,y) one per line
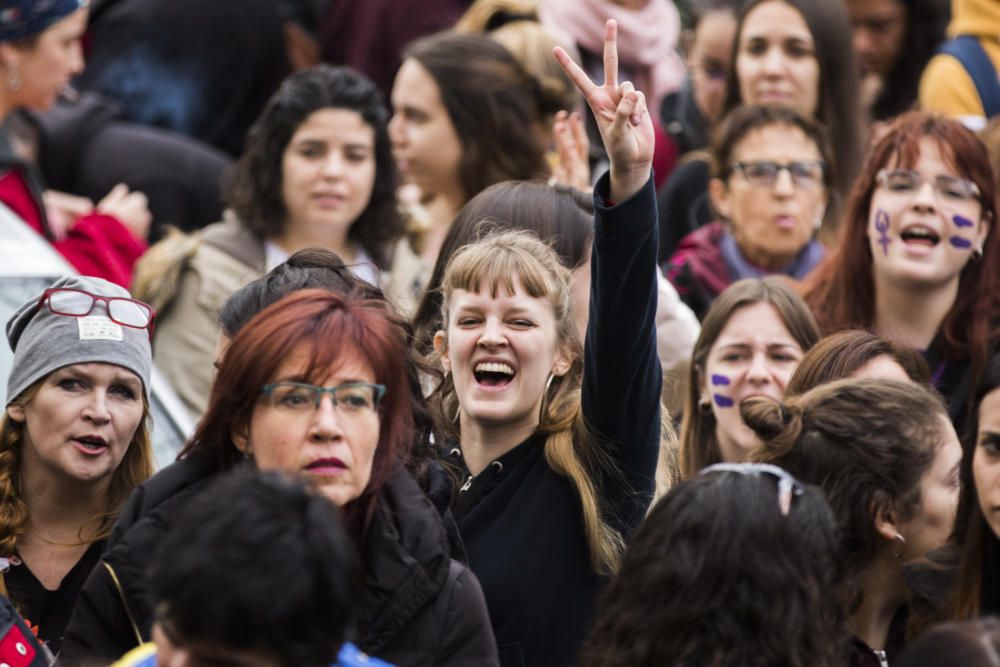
(919,235)
(91,444)
(493,374)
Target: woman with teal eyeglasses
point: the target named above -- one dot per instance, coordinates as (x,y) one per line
(315,385)
(772,172)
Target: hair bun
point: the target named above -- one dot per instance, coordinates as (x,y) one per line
(772,421)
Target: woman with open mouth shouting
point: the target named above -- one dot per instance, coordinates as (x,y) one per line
(558,442)
(918,260)
(74,440)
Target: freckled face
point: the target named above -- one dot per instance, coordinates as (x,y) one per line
(754,355)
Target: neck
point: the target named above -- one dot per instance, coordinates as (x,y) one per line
(441,210)
(299,237)
(61,507)
(912,314)
(482,443)
(765,260)
(884,593)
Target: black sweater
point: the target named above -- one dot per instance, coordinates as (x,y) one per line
(522,523)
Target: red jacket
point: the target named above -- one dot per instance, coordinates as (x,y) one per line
(97,244)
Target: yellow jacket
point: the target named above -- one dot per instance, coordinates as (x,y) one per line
(946,87)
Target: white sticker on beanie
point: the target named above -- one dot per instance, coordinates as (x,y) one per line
(99,327)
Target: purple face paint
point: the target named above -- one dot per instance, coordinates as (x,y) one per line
(959,242)
(722,401)
(882,225)
(720,379)
(962,221)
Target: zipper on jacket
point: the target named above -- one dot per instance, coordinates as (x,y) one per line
(121,594)
(882,660)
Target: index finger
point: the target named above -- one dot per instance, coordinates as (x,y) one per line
(574,72)
(611,53)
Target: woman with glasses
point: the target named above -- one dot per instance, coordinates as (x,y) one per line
(315,385)
(919,261)
(74,440)
(887,457)
(736,566)
(772,174)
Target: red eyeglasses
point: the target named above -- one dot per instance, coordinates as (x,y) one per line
(78,303)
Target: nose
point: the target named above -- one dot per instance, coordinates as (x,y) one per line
(759,372)
(774,62)
(77,58)
(862,41)
(784,185)
(925,199)
(96,410)
(492,335)
(397,135)
(325,426)
(333,165)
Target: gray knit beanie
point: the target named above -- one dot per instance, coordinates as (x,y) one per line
(43,341)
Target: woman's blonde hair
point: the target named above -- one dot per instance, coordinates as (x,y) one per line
(570,449)
(135,468)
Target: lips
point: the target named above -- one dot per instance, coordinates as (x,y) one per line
(494,373)
(90,444)
(329,465)
(919,235)
(785,221)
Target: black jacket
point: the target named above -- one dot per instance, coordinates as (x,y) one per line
(521,522)
(420,607)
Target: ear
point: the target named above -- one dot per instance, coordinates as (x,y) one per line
(241,438)
(562,363)
(885,518)
(718,193)
(10,55)
(441,348)
(16,412)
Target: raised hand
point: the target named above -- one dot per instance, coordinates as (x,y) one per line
(622,117)
(573,149)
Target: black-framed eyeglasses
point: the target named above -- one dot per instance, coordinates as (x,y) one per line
(806,174)
(788,486)
(947,188)
(350,398)
(72,302)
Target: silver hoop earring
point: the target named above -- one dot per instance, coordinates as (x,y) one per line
(705,406)
(977,254)
(902,541)
(13,80)
(545,398)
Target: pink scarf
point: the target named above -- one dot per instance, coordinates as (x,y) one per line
(647,39)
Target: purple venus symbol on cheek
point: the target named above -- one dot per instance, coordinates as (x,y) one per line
(882,226)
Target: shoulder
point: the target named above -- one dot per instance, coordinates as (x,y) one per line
(947,88)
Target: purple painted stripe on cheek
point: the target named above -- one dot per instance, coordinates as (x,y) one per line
(722,401)
(720,379)
(959,242)
(962,221)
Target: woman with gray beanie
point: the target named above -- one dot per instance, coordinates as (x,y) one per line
(74,440)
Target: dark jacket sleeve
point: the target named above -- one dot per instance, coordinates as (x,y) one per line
(100,628)
(467,639)
(621,371)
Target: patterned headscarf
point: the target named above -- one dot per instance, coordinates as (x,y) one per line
(24,18)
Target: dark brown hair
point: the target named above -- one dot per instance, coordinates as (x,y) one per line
(866,443)
(492,103)
(842,354)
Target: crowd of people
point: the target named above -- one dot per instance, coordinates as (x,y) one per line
(523,333)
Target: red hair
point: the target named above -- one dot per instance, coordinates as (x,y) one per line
(330,326)
(841,291)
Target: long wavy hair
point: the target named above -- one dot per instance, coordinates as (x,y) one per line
(570,448)
(841,290)
(135,468)
(718,576)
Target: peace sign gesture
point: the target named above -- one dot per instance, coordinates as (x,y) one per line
(622,117)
